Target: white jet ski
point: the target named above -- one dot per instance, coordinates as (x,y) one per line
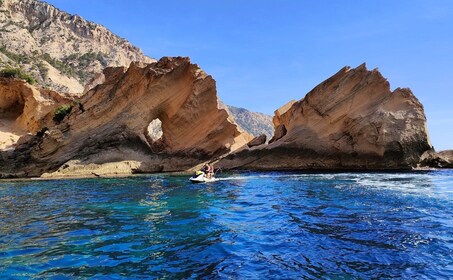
(200,177)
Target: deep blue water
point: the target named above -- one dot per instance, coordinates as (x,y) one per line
(247,226)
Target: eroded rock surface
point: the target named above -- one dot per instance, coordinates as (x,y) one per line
(350,121)
(111,124)
(257,141)
(432,159)
(25,109)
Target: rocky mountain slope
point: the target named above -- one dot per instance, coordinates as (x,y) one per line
(350,121)
(145,118)
(63,52)
(60,51)
(254,123)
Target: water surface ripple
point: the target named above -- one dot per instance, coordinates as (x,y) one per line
(246,226)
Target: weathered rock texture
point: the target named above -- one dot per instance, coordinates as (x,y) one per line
(257,141)
(350,121)
(431,159)
(108,132)
(61,51)
(25,109)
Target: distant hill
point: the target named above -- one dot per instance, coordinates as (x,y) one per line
(60,51)
(252,122)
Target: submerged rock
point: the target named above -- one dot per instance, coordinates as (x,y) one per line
(350,121)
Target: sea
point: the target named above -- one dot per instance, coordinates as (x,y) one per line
(247,225)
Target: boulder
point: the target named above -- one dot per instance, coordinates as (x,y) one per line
(350,121)
(257,141)
(279,132)
(432,159)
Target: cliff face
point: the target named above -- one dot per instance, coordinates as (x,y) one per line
(61,51)
(25,109)
(350,121)
(114,124)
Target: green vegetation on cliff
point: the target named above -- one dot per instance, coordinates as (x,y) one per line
(61,112)
(10,72)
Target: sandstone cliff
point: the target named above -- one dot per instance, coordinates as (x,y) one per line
(61,51)
(25,109)
(112,128)
(350,121)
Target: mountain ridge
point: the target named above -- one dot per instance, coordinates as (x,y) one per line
(59,50)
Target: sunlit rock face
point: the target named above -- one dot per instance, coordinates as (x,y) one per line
(25,109)
(111,124)
(350,121)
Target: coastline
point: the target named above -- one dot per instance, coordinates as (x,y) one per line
(419,170)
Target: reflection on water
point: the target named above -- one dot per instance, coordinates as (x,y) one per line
(248,225)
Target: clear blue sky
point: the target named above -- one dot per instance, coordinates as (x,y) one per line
(264,53)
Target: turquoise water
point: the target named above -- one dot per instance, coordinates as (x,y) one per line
(246,226)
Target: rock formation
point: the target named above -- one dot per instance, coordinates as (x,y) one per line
(431,159)
(61,51)
(350,121)
(448,155)
(257,141)
(25,109)
(108,131)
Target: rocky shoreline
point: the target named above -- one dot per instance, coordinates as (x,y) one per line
(165,117)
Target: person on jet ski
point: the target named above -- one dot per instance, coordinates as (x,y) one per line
(208,169)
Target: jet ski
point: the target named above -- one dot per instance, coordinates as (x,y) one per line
(200,177)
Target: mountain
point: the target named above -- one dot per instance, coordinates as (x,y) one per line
(58,50)
(252,122)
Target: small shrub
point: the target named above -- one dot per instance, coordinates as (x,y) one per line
(42,131)
(43,70)
(61,112)
(17,73)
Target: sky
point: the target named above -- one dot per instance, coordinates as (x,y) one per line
(264,53)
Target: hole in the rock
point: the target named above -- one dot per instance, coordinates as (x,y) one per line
(155,131)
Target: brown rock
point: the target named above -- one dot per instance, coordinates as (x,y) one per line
(279,132)
(350,121)
(448,155)
(259,140)
(25,109)
(113,125)
(432,159)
